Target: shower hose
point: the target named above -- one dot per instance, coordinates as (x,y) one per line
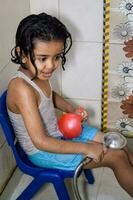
(77,173)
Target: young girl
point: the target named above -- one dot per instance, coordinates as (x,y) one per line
(42,42)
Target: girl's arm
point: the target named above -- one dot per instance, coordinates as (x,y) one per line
(62,104)
(65,106)
(27,104)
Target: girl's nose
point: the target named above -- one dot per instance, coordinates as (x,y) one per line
(50,64)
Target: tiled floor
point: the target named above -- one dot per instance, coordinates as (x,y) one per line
(104,188)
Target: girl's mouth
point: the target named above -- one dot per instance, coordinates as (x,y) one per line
(47,74)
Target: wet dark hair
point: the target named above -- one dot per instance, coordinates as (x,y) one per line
(41,27)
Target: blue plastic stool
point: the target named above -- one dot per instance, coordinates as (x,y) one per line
(41,175)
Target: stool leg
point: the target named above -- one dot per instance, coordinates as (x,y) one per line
(89,176)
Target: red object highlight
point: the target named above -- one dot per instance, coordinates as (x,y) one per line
(70,125)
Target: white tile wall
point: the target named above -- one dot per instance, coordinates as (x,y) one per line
(2,138)
(83,75)
(10,15)
(7,72)
(82,78)
(7,165)
(11,12)
(84,18)
(12,185)
(48,6)
(56,81)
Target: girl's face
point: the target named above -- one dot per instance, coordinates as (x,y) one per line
(47,58)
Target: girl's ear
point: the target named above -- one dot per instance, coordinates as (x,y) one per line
(23,57)
(18,50)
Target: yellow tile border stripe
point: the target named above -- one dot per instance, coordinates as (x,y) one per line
(106,31)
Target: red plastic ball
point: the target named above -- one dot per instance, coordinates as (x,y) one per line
(70,125)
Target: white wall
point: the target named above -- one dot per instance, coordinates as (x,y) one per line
(81,82)
(11,12)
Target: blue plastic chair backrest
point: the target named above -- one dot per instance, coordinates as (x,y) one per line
(20,156)
(5,122)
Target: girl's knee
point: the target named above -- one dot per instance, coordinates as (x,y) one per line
(120,155)
(115,157)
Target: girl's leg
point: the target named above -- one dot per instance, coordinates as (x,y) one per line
(99,138)
(129,154)
(119,162)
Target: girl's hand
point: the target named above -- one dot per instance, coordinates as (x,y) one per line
(81,111)
(96,151)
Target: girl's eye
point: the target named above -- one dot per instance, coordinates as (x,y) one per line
(42,59)
(58,57)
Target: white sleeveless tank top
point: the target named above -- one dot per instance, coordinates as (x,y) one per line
(47,113)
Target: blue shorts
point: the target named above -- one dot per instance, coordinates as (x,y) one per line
(64,161)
